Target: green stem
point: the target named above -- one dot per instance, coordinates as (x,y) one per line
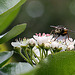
(51,51)
(24,56)
(42,54)
(36,62)
(36,55)
(31,56)
(27,55)
(46,53)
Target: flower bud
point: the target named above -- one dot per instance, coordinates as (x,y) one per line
(54,44)
(71,47)
(16,44)
(31,42)
(47,46)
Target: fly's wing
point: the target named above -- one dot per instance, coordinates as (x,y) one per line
(57,27)
(53,26)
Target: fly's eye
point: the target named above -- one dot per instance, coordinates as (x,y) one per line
(58,30)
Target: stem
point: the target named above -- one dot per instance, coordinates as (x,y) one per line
(36,55)
(24,56)
(36,62)
(51,51)
(31,56)
(46,53)
(27,55)
(42,54)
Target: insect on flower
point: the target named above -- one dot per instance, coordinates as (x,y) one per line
(60,30)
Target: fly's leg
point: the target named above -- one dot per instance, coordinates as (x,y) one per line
(68,37)
(51,32)
(56,37)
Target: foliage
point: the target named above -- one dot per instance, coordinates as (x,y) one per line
(61,63)
(4,56)
(15,68)
(12,33)
(3,47)
(56,64)
(8,11)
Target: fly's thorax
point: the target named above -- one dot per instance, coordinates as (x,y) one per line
(65,31)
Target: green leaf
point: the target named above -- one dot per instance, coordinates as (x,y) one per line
(6,20)
(7,6)
(31,72)
(62,63)
(16,69)
(4,57)
(8,11)
(13,32)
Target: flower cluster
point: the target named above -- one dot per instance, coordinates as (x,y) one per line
(40,46)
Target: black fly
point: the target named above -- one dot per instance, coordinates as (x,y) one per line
(59,30)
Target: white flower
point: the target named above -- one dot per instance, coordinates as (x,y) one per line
(74,41)
(70,39)
(24,43)
(41,40)
(64,47)
(16,44)
(54,44)
(35,37)
(50,38)
(45,38)
(69,42)
(71,47)
(47,45)
(47,42)
(31,41)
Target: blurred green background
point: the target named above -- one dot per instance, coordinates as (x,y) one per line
(40,14)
